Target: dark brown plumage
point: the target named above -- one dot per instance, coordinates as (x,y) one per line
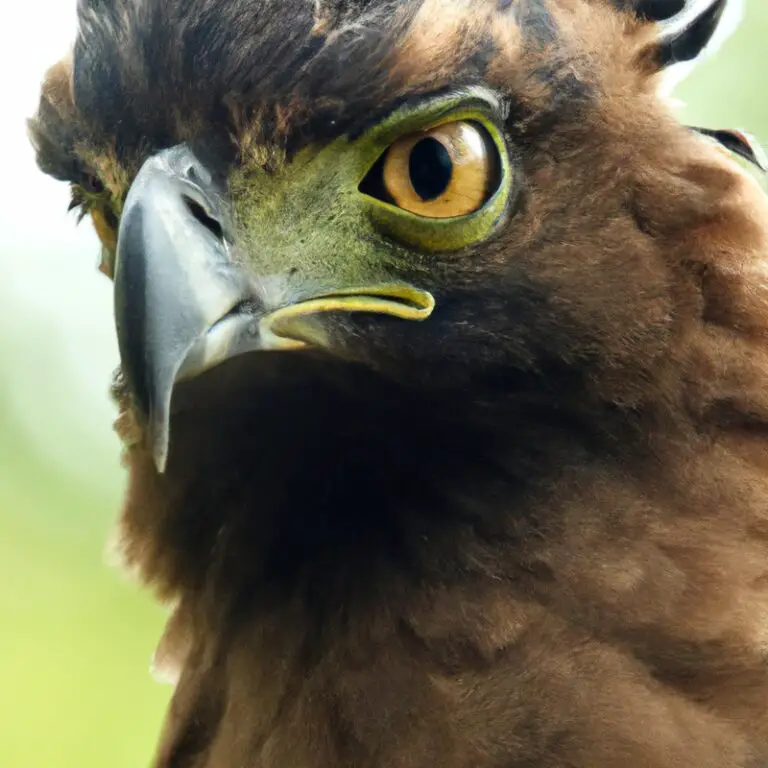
(530,531)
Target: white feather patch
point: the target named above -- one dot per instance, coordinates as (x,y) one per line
(729,22)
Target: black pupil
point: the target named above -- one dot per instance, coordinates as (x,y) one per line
(430,167)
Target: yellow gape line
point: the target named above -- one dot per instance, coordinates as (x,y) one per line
(280,328)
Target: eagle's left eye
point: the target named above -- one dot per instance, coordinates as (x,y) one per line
(448,171)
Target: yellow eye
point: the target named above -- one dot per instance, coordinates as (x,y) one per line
(447,171)
(105,224)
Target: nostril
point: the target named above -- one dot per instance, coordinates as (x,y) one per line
(192,174)
(196,173)
(211,224)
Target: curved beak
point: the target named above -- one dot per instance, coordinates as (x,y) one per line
(183,305)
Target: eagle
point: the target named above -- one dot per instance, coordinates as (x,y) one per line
(442,385)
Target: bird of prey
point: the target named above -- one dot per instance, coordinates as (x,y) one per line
(443,380)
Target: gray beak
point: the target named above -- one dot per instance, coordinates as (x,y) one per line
(174,284)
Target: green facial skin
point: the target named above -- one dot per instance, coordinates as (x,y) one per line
(310,217)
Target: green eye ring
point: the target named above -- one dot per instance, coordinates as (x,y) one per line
(435,234)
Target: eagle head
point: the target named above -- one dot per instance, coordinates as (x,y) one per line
(436,327)
(330,185)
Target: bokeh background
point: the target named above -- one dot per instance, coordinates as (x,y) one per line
(75,637)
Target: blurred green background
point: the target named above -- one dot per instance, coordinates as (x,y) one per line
(75,638)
